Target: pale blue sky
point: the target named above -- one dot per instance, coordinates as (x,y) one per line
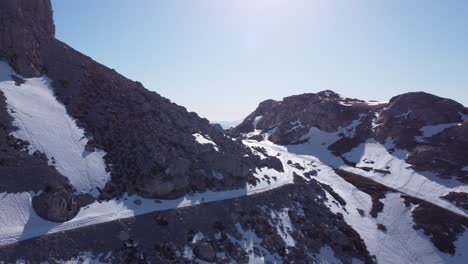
(221,58)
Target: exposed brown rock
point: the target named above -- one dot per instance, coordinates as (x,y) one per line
(459,198)
(56,204)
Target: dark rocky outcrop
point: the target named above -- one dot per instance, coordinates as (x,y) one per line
(460,199)
(406,114)
(56,204)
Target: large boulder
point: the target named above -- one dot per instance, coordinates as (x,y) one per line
(56,204)
(205,251)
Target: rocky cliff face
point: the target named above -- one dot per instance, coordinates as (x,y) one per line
(25,26)
(151,143)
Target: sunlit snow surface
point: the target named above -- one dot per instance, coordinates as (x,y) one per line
(43,122)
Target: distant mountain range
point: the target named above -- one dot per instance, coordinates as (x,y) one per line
(227,124)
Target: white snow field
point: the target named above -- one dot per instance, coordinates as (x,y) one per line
(43,122)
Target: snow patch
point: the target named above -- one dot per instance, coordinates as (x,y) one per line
(188,253)
(256,121)
(296,125)
(251,241)
(282,222)
(43,122)
(371,102)
(429,131)
(199,236)
(350,131)
(205,140)
(327,256)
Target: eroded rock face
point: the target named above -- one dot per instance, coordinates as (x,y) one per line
(56,204)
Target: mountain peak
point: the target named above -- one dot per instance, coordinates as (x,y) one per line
(35,14)
(329,93)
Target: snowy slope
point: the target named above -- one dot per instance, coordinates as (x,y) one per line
(402,177)
(43,122)
(401,243)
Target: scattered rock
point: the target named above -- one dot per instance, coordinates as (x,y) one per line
(205,251)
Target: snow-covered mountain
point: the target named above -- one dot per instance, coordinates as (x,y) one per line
(94,168)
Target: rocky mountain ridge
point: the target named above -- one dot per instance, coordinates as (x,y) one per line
(427,126)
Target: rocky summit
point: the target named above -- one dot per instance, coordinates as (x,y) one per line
(95,168)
